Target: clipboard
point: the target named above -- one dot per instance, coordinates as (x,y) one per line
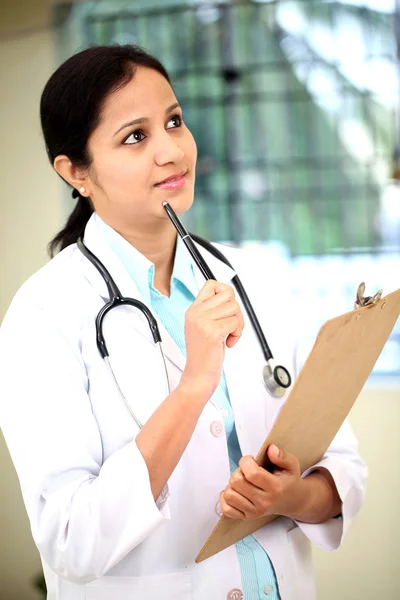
(343,356)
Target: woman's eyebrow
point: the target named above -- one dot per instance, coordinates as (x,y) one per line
(144,119)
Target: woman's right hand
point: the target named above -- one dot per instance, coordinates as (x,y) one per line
(213,320)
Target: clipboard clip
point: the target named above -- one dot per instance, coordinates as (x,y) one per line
(362,300)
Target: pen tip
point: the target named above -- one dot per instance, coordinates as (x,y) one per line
(164,203)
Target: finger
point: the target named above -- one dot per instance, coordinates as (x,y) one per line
(234,336)
(222,328)
(230,511)
(240,503)
(219,298)
(283,460)
(210,289)
(241,318)
(255,474)
(228,309)
(235,504)
(228,327)
(239,483)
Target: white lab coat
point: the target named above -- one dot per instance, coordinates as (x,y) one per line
(85,484)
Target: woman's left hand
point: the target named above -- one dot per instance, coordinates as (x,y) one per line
(253,492)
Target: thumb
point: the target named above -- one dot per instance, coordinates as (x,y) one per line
(280,458)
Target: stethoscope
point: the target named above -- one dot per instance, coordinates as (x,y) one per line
(276,379)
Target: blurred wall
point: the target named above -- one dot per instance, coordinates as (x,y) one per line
(30,198)
(367,565)
(30,213)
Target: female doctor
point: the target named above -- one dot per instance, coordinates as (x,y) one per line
(119,512)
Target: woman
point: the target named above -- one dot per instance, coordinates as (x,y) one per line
(117,512)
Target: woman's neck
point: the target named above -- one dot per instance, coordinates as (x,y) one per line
(160,250)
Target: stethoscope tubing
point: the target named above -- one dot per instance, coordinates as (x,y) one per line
(272,381)
(242,294)
(187,239)
(116,299)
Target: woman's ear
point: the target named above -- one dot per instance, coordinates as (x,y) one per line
(77,177)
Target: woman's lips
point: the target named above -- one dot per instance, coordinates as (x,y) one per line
(173,184)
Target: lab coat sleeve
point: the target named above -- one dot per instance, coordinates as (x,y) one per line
(85,514)
(341,459)
(349,473)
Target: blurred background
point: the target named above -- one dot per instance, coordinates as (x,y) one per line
(294,105)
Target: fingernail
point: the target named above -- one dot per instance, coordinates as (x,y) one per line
(275,449)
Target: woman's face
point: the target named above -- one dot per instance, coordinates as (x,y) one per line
(131,159)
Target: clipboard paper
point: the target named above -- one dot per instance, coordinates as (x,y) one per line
(343,356)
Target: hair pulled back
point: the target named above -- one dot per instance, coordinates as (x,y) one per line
(70,110)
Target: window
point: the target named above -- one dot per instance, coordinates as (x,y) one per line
(294,105)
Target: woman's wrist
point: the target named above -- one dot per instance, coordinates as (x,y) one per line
(196,391)
(316,499)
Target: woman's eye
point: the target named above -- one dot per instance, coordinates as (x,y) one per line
(178,121)
(136,137)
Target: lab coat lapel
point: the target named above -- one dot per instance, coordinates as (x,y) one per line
(127,287)
(249,417)
(242,366)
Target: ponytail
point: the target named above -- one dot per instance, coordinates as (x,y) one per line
(74,227)
(70,110)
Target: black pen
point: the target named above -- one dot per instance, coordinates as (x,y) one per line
(189,243)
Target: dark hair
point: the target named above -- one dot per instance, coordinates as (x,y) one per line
(70,109)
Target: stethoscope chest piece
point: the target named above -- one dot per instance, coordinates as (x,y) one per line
(276,380)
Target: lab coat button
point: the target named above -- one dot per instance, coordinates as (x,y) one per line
(218,509)
(268,589)
(217,428)
(235,594)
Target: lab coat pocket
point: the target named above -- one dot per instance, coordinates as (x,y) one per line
(170,586)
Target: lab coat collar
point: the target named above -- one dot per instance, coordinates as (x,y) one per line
(136,264)
(95,241)
(184,268)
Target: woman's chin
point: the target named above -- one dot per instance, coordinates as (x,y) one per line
(180,204)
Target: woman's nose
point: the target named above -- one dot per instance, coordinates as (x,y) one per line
(168,150)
